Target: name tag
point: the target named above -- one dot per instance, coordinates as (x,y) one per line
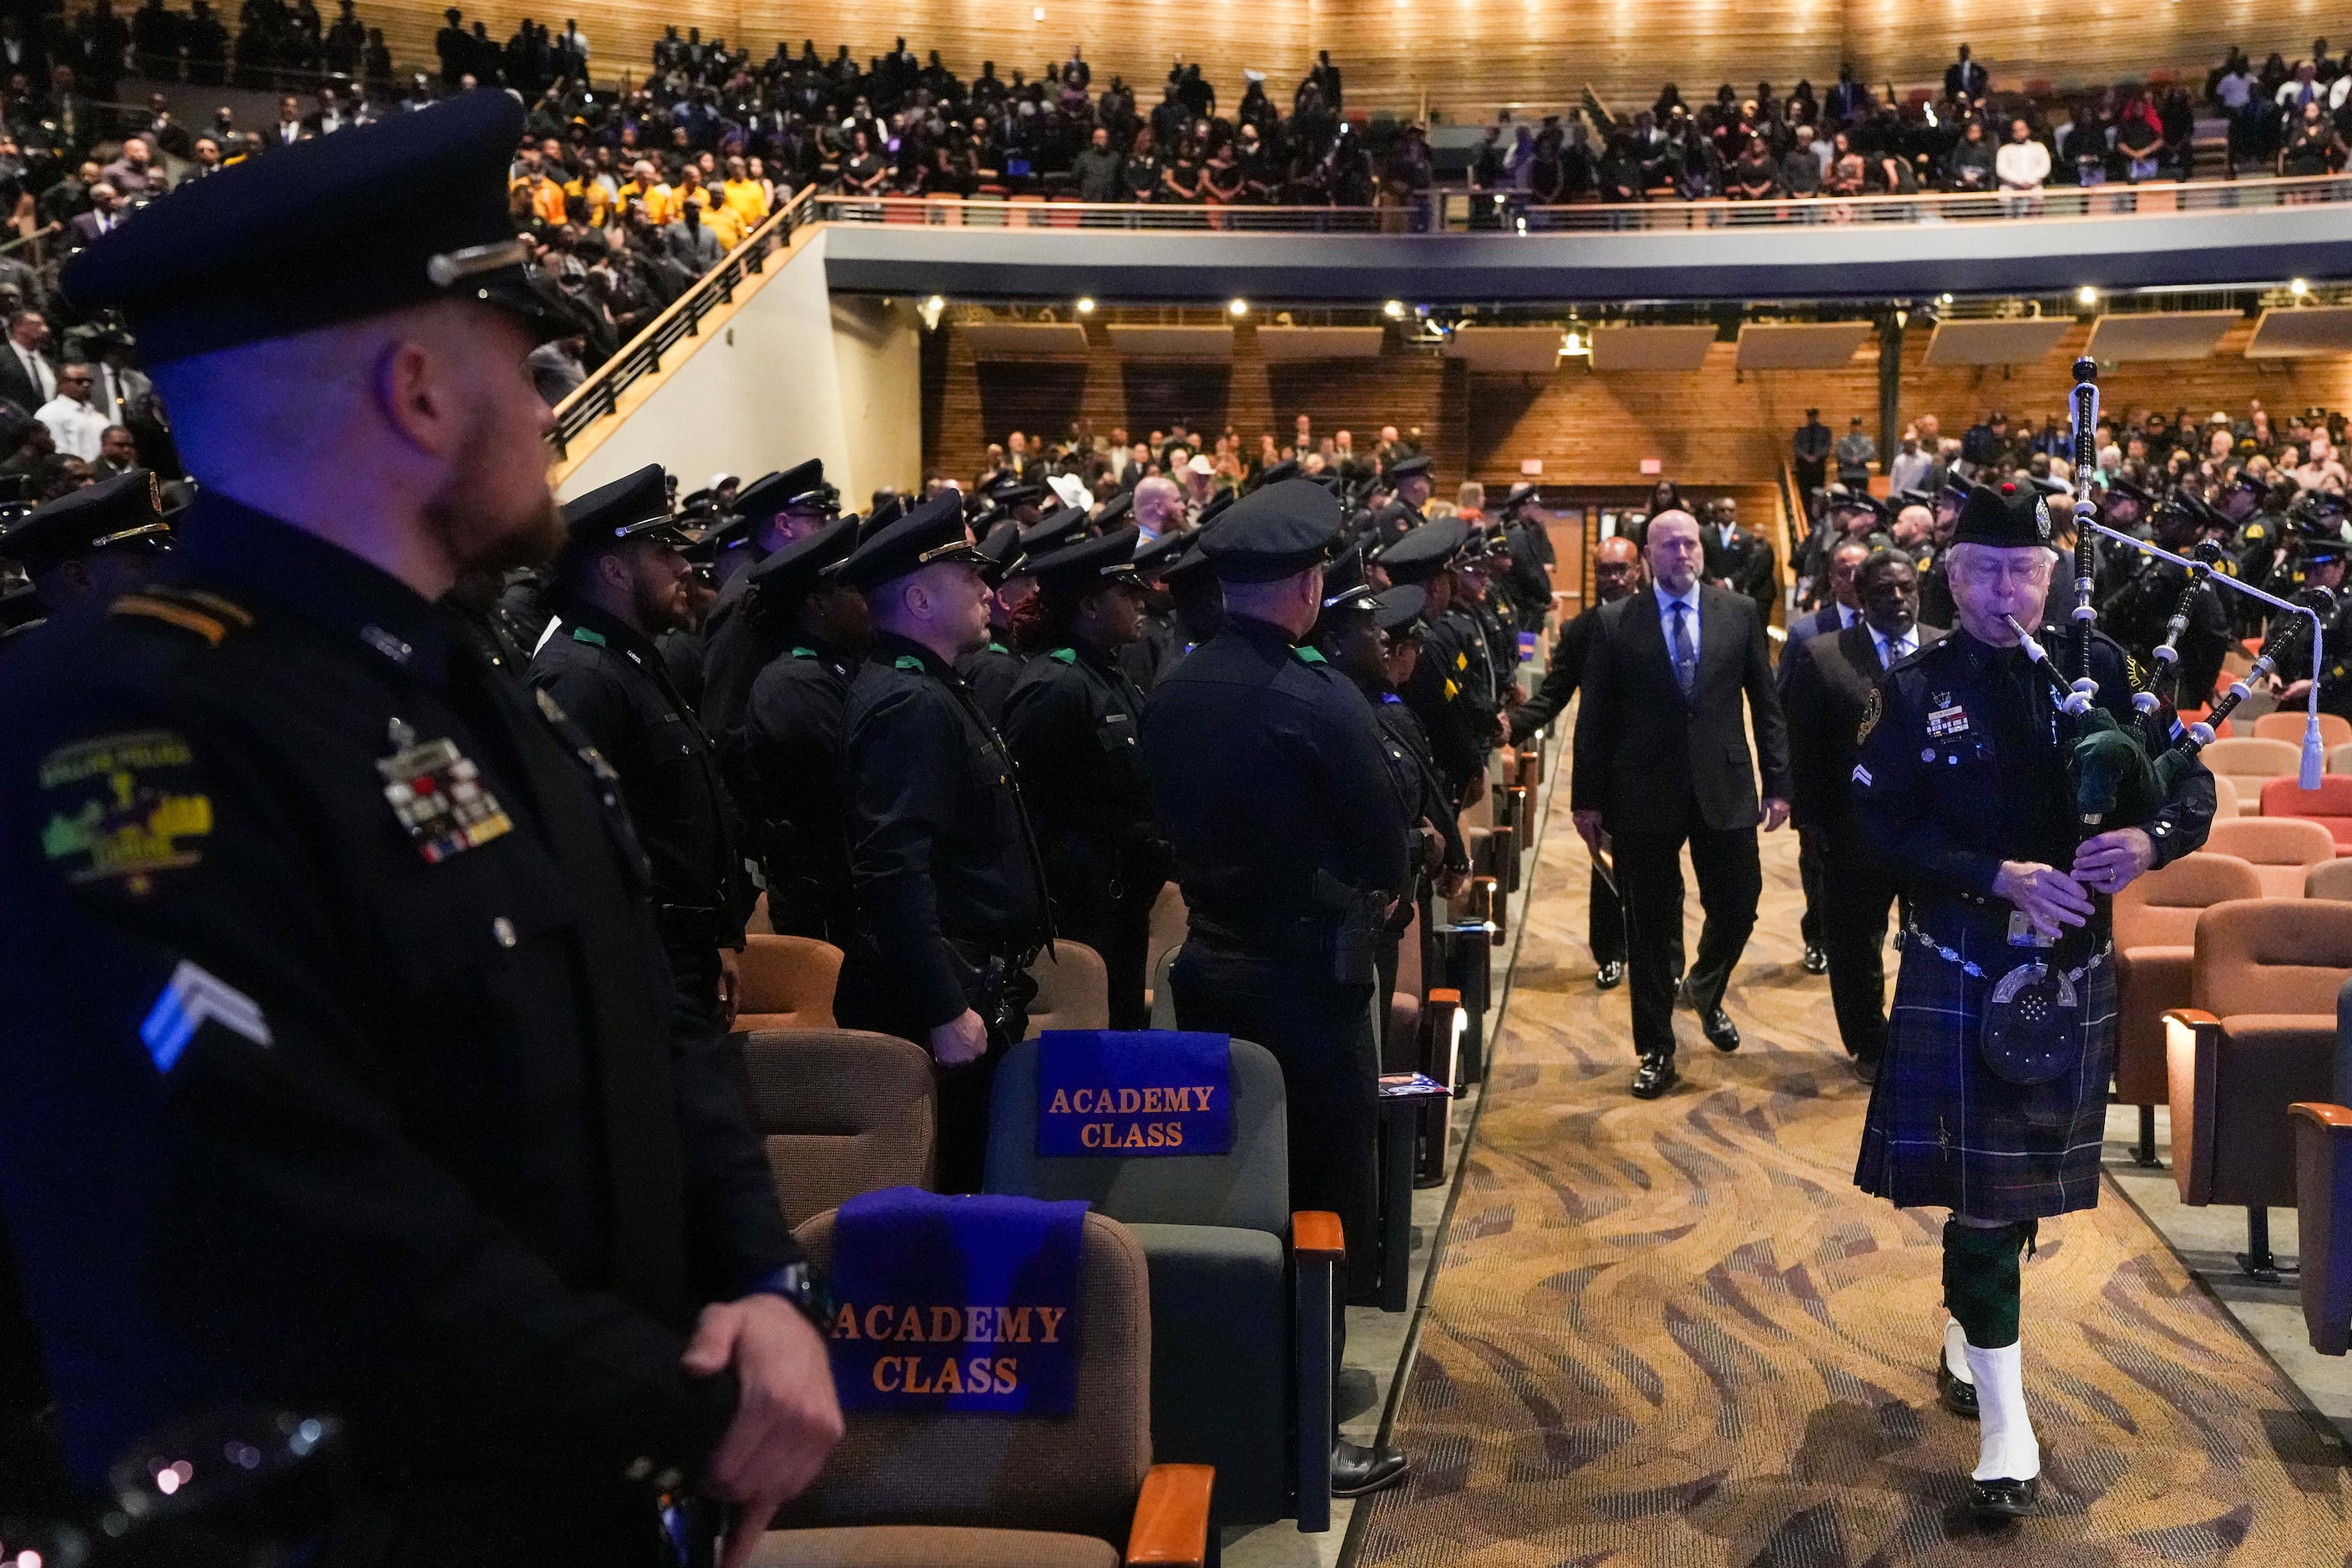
(1944,722)
(1143,1094)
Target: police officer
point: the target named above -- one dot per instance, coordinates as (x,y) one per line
(1264,764)
(950,898)
(2139,613)
(1962,785)
(1013,631)
(618,582)
(787,757)
(1072,725)
(91,542)
(775,510)
(1374,639)
(1440,691)
(2325,554)
(339,1070)
(1410,479)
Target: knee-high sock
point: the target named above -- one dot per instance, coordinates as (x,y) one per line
(1982,1279)
(2006,1446)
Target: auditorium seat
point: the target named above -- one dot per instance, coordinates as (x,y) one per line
(2339,759)
(2329,879)
(1233,1281)
(2287,724)
(2330,804)
(1169,920)
(2225,797)
(2280,848)
(2258,1035)
(786,983)
(2156,933)
(1073,989)
(841,1113)
(1080,1490)
(2252,763)
(1163,996)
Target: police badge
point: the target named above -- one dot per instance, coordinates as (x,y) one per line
(2033,1026)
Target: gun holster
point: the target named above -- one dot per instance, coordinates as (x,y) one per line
(1351,947)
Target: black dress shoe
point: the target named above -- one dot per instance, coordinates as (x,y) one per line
(1720,1030)
(1816,960)
(1611,975)
(1654,1077)
(1952,1393)
(1356,1469)
(1866,1068)
(2002,1500)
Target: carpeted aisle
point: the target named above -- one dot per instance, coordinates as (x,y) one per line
(1674,1334)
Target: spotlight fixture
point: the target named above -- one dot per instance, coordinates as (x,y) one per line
(930,312)
(935,303)
(1943,298)
(1573,343)
(1238,308)
(1086,305)
(2298,288)
(2086,296)
(1393,310)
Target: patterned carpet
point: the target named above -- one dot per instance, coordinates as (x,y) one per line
(1673,1334)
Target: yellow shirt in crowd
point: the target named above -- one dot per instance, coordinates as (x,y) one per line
(662,205)
(598,198)
(748,200)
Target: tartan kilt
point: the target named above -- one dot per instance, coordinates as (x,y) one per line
(1942,1130)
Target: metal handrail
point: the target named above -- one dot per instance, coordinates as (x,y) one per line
(1457,210)
(599,396)
(33,239)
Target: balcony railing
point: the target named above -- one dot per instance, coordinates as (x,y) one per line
(641,356)
(1464,212)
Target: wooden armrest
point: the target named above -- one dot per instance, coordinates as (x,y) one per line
(2192,1018)
(2192,1050)
(1316,1234)
(2335,1120)
(1172,1517)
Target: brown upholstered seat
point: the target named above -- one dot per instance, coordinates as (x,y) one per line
(2287,724)
(2280,848)
(2329,879)
(2330,804)
(2260,1034)
(1086,1478)
(1169,920)
(2249,764)
(1073,989)
(2156,933)
(786,983)
(842,1113)
(2225,798)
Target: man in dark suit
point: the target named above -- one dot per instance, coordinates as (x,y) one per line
(1842,609)
(27,379)
(1662,759)
(1827,684)
(1738,560)
(89,228)
(1964,78)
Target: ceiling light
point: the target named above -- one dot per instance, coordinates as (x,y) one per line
(935,303)
(2298,288)
(1573,343)
(1086,305)
(2086,295)
(1393,310)
(1943,298)
(1238,308)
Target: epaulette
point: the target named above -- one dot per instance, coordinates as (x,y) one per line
(209,616)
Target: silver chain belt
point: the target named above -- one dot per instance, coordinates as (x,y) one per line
(1974,972)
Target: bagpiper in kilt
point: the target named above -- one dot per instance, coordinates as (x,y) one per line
(1991,1098)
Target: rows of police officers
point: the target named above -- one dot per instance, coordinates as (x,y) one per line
(383,837)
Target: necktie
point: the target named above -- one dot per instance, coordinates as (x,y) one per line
(1685,656)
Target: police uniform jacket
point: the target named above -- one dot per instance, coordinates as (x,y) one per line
(791,747)
(1265,767)
(940,846)
(1419,789)
(2142,609)
(303,1105)
(1960,768)
(1394,521)
(1439,693)
(989,673)
(1072,723)
(613,684)
(1147,656)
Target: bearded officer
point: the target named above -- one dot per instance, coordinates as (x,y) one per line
(1962,785)
(619,583)
(1264,764)
(340,1072)
(951,896)
(1072,723)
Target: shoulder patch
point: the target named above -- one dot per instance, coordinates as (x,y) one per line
(1311,655)
(593,638)
(1064,655)
(907,661)
(123,807)
(1873,707)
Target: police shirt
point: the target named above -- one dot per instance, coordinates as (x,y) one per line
(339,1071)
(791,743)
(1072,723)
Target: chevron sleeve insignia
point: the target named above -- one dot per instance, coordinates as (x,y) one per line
(193,997)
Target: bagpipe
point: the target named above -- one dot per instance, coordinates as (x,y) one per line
(2121,773)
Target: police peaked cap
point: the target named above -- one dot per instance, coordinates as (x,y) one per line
(1153,559)
(1057,528)
(1397,609)
(1000,552)
(124,512)
(1424,552)
(379,217)
(794,568)
(933,531)
(1405,468)
(1274,532)
(635,506)
(1074,569)
(2008,518)
(1344,585)
(801,487)
(1117,507)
